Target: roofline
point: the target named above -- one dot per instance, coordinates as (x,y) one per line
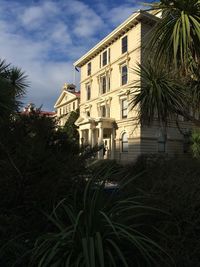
(75,94)
(120,30)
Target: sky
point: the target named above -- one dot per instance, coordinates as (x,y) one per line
(45,37)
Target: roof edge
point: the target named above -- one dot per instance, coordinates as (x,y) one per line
(109,38)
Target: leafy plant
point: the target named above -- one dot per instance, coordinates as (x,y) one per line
(196,143)
(159,94)
(98,230)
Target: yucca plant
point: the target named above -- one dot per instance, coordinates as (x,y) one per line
(98,230)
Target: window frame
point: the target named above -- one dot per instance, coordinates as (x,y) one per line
(124,108)
(89,68)
(124,47)
(103,111)
(124,142)
(124,75)
(162,142)
(104,58)
(88,89)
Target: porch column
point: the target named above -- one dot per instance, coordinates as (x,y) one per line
(100,142)
(92,140)
(90,137)
(80,137)
(113,143)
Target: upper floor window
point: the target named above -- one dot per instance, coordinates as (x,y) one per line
(124,74)
(104,61)
(124,106)
(104,58)
(124,142)
(74,105)
(103,111)
(89,65)
(162,142)
(103,84)
(88,91)
(124,44)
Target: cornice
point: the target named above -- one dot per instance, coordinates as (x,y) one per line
(131,22)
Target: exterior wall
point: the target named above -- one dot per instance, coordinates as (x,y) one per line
(174,145)
(95,128)
(116,93)
(65,107)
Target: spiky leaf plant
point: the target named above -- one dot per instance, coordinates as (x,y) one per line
(196,143)
(176,37)
(98,230)
(159,94)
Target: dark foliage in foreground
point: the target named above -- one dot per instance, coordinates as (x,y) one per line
(38,167)
(172,185)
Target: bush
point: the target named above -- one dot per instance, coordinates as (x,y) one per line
(100,230)
(172,185)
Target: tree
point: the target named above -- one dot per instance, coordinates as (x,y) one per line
(170,83)
(70,128)
(176,37)
(13,84)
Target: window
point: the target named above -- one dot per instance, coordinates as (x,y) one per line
(103,84)
(104,58)
(124,44)
(124,142)
(103,111)
(108,55)
(100,61)
(88,91)
(74,106)
(89,69)
(124,106)
(124,74)
(162,143)
(108,89)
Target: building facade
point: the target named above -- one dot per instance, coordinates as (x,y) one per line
(107,78)
(67,102)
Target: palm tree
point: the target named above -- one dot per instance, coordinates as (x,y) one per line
(159,94)
(13,84)
(171,82)
(176,37)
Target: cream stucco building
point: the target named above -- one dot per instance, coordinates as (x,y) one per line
(67,102)
(106,80)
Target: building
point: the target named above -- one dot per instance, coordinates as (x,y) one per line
(67,102)
(106,80)
(31,107)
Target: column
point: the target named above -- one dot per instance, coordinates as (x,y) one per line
(100,142)
(80,137)
(113,143)
(90,137)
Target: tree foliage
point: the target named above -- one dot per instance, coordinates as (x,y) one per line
(13,84)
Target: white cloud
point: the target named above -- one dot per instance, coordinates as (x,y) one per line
(47,36)
(34,16)
(88,22)
(120,13)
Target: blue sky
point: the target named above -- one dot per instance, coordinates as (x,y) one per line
(44,38)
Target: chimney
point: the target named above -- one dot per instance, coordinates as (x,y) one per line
(69,87)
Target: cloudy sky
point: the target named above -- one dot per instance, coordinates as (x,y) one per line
(44,38)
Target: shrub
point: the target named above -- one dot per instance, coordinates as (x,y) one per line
(172,185)
(103,230)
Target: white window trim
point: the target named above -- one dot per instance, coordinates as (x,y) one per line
(121,66)
(127,44)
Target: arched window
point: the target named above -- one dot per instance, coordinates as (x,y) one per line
(124,142)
